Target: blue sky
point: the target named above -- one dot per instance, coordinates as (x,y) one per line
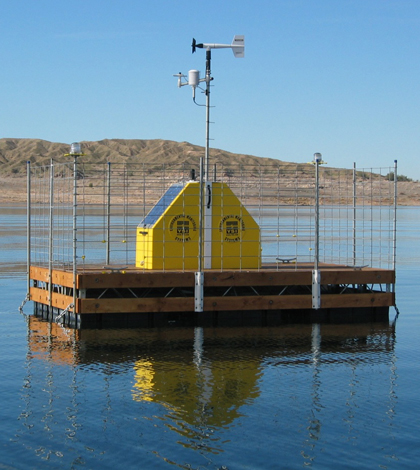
(340,77)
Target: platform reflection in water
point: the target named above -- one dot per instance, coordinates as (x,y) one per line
(197,386)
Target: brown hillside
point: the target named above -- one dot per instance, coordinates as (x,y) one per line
(14,154)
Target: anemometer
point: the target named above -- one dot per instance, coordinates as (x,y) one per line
(193,79)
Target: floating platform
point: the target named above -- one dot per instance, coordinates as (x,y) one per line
(118,245)
(274,294)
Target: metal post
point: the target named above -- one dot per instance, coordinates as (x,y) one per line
(144,190)
(28,225)
(208,219)
(51,233)
(354,214)
(316,261)
(316,275)
(74,232)
(208,80)
(108,214)
(207,232)
(200,217)
(199,275)
(394,241)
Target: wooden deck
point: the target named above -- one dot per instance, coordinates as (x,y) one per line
(283,287)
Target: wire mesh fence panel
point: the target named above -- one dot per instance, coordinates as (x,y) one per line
(51,214)
(98,215)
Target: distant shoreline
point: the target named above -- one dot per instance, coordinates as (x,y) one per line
(13,190)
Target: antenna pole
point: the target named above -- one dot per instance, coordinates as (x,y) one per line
(206,183)
(207,227)
(208,80)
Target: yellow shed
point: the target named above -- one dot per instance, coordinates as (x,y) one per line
(168,237)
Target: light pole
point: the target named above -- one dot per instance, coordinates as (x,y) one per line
(75,152)
(316,274)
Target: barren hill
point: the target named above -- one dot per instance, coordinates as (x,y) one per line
(15,153)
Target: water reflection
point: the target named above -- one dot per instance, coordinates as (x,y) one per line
(314,424)
(205,380)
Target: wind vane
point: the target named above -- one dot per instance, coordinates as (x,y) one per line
(238,49)
(237,46)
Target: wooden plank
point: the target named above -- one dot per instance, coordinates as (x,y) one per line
(357,276)
(38,274)
(182,304)
(377,299)
(133,280)
(57,300)
(236,303)
(268,302)
(257,278)
(92,280)
(297,278)
(168,304)
(61,278)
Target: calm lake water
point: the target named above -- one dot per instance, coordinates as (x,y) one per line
(319,396)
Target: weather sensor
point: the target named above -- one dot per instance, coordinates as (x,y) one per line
(237,46)
(205,210)
(193,79)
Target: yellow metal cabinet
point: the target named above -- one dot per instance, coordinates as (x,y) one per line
(168,237)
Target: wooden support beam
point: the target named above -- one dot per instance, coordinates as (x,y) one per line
(370,276)
(257,278)
(267,302)
(237,303)
(150,279)
(152,305)
(370,299)
(106,280)
(57,300)
(59,277)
